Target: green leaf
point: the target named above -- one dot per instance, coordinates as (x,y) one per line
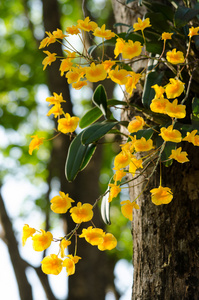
(96,131)
(75,157)
(105,209)
(195,112)
(90,117)
(158,21)
(183,15)
(154,47)
(91,49)
(166,10)
(89,154)
(121,24)
(113,102)
(146,133)
(166,152)
(100,99)
(148,93)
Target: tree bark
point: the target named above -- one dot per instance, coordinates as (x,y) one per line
(165,238)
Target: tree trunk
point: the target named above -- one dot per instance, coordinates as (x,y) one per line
(165,238)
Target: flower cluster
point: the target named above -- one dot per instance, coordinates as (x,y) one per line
(54,263)
(138,150)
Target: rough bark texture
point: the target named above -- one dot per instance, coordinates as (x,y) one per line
(165,238)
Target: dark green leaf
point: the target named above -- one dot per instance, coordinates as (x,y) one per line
(154,47)
(121,24)
(146,133)
(100,99)
(166,152)
(89,154)
(166,10)
(90,117)
(130,29)
(96,131)
(158,21)
(184,14)
(148,93)
(195,112)
(113,102)
(91,49)
(75,157)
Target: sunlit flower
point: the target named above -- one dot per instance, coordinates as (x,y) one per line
(174,88)
(175,110)
(95,73)
(86,24)
(196,140)
(48,59)
(67,124)
(181,157)
(132,80)
(108,64)
(143,145)
(127,208)
(122,159)
(136,124)
(66,65)
(129,146)
(51,264)
(74,75)
(72,29)
(58,34)
(109,242)
(78,85)
(190,136)
(119,46)
(55,99)
(69,263)
(82,213)
(193,31)
(170,135)
(159,105)
(175,57)
(131,49)
(60,204)
(119,174)
(93,236)
(159,91)
(44,42)
(167,36)
(118,76)
(141,25)
(27,232)
(103,33)
(64,245)
(51,38)
(114,191)
(56,110)
(134,165)
(35,143)
(161,195)
(42,241)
